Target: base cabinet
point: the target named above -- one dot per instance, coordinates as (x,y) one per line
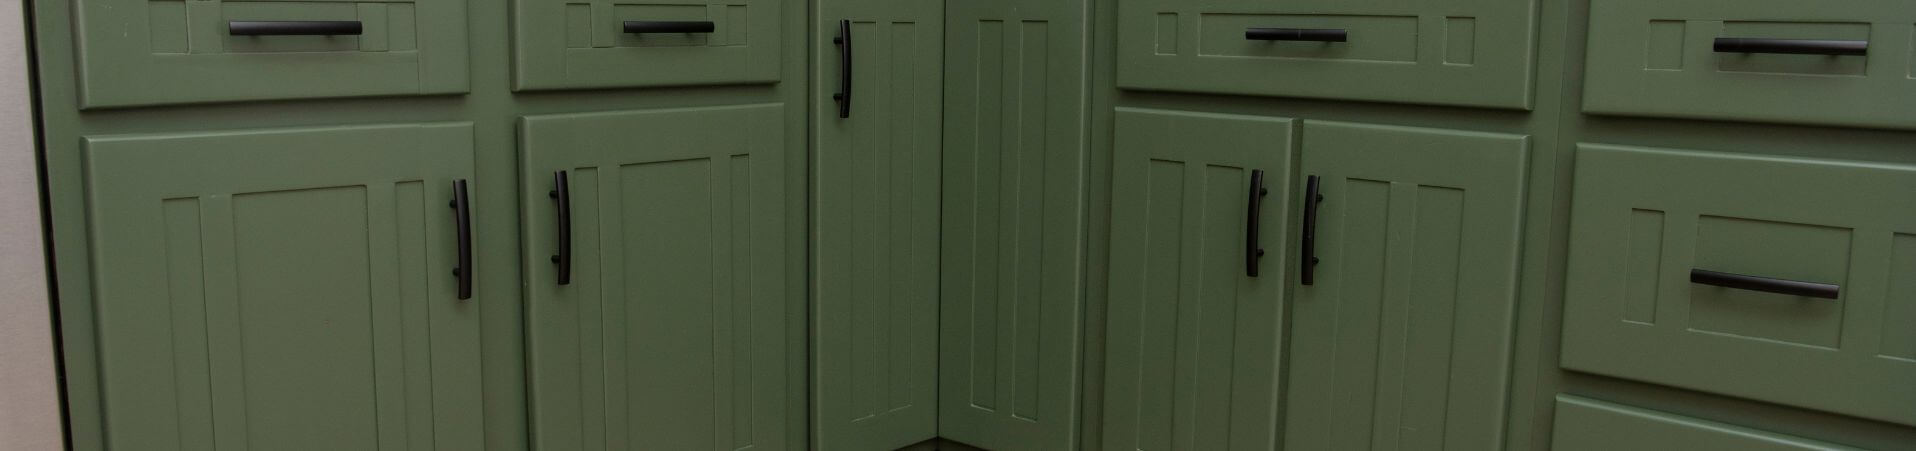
(305,302)
(656,306)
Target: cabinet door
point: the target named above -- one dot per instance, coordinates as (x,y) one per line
(1403,340)
(1012,272)
(875,230)
(670,333)
(619,43)
(1193,338)
(283,289)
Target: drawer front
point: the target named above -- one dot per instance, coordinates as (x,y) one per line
(627,43)
(152,52)
(1586,424)
(1645,222)
(1661,58)
(1452,52)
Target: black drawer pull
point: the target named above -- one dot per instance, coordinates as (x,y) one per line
(1764,284)
(1792,46)
(1253,247)
(669,26)
(294,28)
(844,94)
(562,197)
(1313,195)
(1297,34)
(462,229)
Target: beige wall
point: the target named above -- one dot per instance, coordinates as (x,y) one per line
(29,399)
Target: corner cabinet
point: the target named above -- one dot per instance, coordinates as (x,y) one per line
(274,289)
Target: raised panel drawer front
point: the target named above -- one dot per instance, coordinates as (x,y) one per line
(1403,337)
(152,52)
(1194,338)
(623,43)
(1590,425)
(283,289)
(1848,63)
(670,331)
(1786,280)
(1449,52)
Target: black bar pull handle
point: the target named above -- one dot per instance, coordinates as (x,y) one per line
(669,26)
(294,28)
(1253,247)
(1313,195)
(462,218)
(562,197)
(1765,284)
(844,95)
(1830,47)
(1297,34)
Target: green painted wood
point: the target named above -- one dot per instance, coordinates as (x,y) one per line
(1404,339)
(1643,218)
(1012,265)
(875,226)
(671,334)
(1455,52)
(1194,342)
(1656,59)
(561,45)
(283,289)
(142,52)
(1586,424)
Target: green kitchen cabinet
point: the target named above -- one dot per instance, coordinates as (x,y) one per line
(1193,328)
(1402,337)
(875,222)
(1012,260)
(1678,59)
(283,289)
(640,43)
(656,300)
(1649,228)
(1590,425)
(1449,52)
(150,52)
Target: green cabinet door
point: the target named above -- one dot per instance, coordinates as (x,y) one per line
(670,333)
(1193,338)
(586,44)
(282,289)
(1584,424)
(1403,339)
(1012,272)
(875,225)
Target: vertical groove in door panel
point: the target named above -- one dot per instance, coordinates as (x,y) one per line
(1193,342)
(678,259)
(875,202)
(1011,273)
(1405,338)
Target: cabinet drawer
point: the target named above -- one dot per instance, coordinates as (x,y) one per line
(1645,222)
(1450,52)
(1585,424)
(1662,58)
(152,52)
(627,43)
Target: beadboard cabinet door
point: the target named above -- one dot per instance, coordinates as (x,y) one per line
(656,299)
(1193,347)
(1013,235)
(875,197)
(283,289)
(1402,338)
